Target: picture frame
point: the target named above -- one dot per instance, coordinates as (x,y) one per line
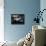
(17,19)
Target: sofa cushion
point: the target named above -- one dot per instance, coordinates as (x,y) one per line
(20,42)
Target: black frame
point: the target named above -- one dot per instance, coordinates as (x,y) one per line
(17,19)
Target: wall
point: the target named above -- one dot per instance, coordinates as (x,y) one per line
(27,7)
(1,20)
(43,6)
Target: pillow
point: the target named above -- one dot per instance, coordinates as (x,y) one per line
(21,42)
(28,39)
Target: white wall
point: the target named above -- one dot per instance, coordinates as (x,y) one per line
(1,20)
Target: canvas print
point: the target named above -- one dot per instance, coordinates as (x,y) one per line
(17,18)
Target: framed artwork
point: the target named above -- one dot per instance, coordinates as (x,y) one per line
(17,19)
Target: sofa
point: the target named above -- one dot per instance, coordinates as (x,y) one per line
(39,37)
(39,33)
(8,43)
